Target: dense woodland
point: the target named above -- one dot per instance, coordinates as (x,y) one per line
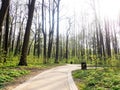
(32,28)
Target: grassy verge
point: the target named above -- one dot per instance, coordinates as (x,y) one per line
(8,75)
(98,79)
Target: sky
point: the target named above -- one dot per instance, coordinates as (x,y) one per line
(106,8)
(83,10)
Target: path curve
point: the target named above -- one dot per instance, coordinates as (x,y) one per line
(58,78)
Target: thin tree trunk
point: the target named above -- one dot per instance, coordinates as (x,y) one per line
(57,39)
(67,49)
(30,46)
(39,39)
(18,39)
(44,33)
(6,36)
(10,35)
(13,38)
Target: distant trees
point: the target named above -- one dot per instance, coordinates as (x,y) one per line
(23,34)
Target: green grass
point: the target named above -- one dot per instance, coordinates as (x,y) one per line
(10,70)
(98,79)
(7,75)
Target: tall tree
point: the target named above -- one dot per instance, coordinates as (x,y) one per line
(5,45)
(39,40)
(108,40)
(18,39)
(44,32)
(51,29)
(67,38)
(15,25)
(3,12)
(23,58)
(57,39)
(10,33)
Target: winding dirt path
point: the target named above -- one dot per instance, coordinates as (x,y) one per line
(58,78)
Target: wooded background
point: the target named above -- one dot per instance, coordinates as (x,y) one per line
(32,28)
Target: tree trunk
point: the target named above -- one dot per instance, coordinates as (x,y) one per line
(23,58)
(30,46)
(3,12)
(10,35)
(6,36)
(51,30)
(57,39)
(67,49)
(39,39)
(44,33)
(34,52)
(18,39)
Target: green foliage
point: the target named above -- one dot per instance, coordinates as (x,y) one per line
(98,79)
(5,78)
(7,75)
(75,60)
(2,56)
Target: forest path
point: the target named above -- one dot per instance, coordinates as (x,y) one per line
(58,78)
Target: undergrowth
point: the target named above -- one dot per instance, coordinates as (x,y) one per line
(98,79)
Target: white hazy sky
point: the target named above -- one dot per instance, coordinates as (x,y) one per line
(106,9)
(109,9)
